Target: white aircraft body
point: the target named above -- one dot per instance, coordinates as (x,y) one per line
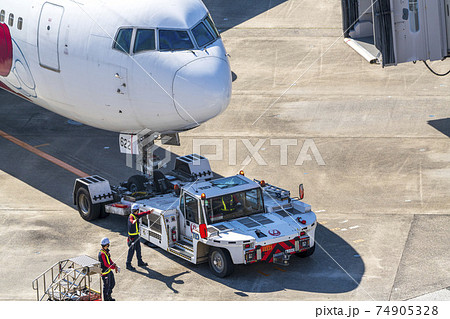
(117,65)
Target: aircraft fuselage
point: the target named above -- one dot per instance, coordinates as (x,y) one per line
(115,65)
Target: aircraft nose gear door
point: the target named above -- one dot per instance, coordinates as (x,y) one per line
(48,36)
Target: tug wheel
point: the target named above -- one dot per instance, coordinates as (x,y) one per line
(136,183)
(87,210)
(220,262)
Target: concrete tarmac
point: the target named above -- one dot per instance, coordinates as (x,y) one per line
(371,146)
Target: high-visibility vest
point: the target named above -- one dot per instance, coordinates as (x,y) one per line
(136,233)
(225,205)
(109,262)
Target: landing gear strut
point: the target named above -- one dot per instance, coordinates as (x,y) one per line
(146,161)
(146,143)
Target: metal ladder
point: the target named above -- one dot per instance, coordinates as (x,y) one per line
(69,279)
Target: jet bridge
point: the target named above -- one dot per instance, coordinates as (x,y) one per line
(391,32)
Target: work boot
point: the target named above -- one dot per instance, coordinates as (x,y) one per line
(142,264)
(129,267)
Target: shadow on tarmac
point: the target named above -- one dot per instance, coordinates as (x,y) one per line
(335,267)
(168,280)
(230,13)
(442,125)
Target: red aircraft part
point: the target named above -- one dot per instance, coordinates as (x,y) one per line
(6,50)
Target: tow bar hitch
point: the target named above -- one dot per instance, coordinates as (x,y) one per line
(281,259)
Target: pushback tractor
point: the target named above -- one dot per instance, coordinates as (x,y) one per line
(200,217)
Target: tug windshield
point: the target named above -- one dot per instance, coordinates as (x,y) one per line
(235,205)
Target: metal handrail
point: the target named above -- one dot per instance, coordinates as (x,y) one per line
(54,280)
(70,284)
(69,280)
(57,263)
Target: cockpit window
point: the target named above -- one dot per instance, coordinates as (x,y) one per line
(123,40)
(211,25)
(172,40)
(145,40)
(202,35)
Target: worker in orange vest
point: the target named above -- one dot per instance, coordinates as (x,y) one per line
(133,241)
(107,266)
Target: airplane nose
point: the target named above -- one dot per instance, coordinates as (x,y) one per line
(202,89)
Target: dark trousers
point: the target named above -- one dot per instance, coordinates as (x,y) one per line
(134,244)
(108,284)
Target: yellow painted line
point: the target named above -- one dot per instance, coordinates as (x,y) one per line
(358,241)
(280,269)
(42,145)
(46,156)
(262,273)
(333,229)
